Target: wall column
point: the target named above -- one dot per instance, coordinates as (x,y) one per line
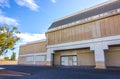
(99,59)
(34,59)
(99,55)
(49,57)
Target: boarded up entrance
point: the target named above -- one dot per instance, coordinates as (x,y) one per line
(86,57)
(112,56)
(76,57)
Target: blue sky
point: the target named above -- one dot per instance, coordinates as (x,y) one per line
(33,17)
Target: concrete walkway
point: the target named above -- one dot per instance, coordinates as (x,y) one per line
(61,73)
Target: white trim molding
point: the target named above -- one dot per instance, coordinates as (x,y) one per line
(33,42)
(43,53)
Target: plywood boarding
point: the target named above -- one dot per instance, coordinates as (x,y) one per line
(85,57)
(76,33)
(110,26)
(101,28)
(56,59)
(112,56)
(33,48)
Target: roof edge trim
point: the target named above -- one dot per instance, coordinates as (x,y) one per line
(84,10)
(33,42)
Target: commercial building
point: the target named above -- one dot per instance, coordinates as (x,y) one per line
(88,38)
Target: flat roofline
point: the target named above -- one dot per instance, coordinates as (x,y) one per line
(33,42)
(84,10)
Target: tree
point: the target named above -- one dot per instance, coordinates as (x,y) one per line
(6,58)
(13,56)
(8,38)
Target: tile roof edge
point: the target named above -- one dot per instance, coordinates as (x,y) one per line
(84,10)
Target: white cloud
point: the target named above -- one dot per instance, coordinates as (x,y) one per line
(53,1)
(31,4)
(7,20)
(28,3)
(28,37)
(4,3)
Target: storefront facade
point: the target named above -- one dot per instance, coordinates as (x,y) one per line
(89,38)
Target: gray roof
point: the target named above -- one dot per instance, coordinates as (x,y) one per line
(86,14)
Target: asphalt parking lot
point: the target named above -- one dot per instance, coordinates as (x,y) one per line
(38,72)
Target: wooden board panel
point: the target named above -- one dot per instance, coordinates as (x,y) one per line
(56,59)
(85,57)
(110,26)
(101,28)
(112,56)
(76,33)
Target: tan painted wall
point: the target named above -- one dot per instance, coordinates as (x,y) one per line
(33,48)
(112,56)
(101,28)
(85,57)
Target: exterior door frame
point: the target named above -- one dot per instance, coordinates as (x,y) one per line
(68,60)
